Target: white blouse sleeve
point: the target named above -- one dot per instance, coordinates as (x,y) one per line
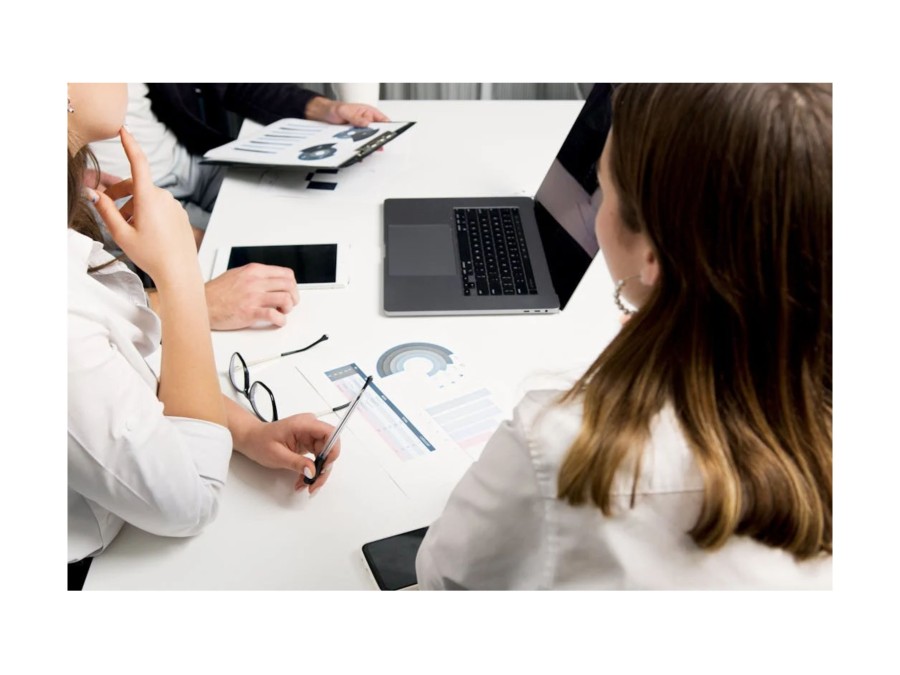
(162,474)
(492,532)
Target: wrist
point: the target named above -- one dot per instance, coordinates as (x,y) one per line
(180,279)
(243,426)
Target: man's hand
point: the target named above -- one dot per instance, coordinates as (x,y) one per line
(244,295)
(335,112)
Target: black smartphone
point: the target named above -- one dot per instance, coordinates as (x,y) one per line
(392,560)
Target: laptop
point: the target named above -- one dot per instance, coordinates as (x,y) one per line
(501,255)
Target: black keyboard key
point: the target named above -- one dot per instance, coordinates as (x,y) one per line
(462,236)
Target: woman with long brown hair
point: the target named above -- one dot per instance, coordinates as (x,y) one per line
(696,451)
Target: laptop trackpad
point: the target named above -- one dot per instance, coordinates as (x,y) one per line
(421,251)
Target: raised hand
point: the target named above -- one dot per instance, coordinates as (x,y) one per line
(152,228)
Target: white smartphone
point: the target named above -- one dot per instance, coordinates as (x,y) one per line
(315,265)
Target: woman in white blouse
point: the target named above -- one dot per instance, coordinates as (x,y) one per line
(695,452)
(150,452)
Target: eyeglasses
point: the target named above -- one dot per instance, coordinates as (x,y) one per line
(261,398)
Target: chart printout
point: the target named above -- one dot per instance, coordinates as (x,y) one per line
(391,425)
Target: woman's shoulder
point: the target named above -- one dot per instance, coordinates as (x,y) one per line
(84,254)
(548,425)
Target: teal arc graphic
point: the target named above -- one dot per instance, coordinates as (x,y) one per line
(394,359)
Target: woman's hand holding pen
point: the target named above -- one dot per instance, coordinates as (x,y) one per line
(285,443)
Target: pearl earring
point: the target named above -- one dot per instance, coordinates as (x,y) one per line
(70,108)
(617,295)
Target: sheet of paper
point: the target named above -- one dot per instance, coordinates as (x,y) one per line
(426,418)
(302,143)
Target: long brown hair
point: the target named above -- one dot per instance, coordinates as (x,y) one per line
(80,217)
(731,183)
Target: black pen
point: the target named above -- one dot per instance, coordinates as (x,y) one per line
(320,460)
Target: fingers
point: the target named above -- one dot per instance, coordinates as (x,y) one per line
(305,467)
(271,315)
(320,481)
(275,281)
(115,223)
(300,435)
(121,189)
(277,300)
(100,180)
(140,167)
(326,469)
(276,295)
(261,271)
(361,118)
(308,470)
(372,114)
(127,210)
(280,300)
(332,456)
(357,114)
(366,117)
(107,180)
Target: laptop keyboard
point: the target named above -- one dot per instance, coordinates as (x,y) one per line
(492,250)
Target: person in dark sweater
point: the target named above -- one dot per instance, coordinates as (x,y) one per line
(175,124)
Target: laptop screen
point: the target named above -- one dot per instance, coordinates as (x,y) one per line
(567,201)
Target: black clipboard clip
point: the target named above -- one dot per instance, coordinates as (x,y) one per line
(370,147)
(377,142)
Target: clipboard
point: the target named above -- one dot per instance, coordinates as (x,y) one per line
(293,143)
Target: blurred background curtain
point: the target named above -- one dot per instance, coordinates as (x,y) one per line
(469,90)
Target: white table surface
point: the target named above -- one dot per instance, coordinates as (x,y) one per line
(266,536)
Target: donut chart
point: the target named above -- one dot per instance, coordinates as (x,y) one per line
(394,360)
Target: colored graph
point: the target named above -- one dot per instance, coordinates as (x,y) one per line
(388,422)
(396,359)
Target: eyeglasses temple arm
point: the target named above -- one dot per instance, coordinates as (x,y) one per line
(278,356)
(309,346)
(263,360)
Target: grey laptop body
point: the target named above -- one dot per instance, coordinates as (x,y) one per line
(503,255)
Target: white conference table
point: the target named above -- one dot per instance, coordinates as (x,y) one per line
(266,536)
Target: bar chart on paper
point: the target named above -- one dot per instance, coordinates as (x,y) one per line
(469,420)
(391,425)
